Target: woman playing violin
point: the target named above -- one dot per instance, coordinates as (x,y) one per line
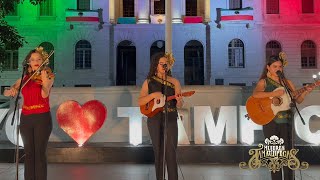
(36,123)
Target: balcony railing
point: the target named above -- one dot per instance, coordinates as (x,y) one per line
(75,15)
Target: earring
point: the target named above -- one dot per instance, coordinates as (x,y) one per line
(268,73)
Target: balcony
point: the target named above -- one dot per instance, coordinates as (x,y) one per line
(76,15)
(234,15)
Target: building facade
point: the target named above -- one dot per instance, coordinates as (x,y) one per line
(107,43)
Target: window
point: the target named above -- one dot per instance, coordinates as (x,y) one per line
(193,63)
(307,6)
(10,62)
(48,47)
(236,54)
(126,63)
(308,55)
(235,4)
(83,4)
(128,8)
(272,6)
(159,7)
(46,8)
(83,55)
(273,48)
(191,7)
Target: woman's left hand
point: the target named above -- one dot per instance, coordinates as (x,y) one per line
(45,77)
(179,100)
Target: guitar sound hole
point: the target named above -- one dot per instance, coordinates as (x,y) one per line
(158,101)
(277,101)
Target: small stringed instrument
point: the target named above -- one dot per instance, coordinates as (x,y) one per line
(156,105)
(262,110)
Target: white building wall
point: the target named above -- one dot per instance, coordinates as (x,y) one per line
(144,35)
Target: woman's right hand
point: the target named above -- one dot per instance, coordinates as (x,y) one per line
(157,95)
(278,93)
(10,92)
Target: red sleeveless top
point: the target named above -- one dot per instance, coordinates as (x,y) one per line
(33,102)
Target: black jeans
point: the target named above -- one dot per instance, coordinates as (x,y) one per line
(35,131)
(156,127)
(285,132)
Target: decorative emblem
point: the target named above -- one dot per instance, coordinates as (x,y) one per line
(273,156)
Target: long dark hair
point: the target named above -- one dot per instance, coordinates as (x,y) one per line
(154,64)
(271,60)
(26,61)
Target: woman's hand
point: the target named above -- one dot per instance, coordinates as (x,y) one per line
(10,92)
(157,95)
(47,83)
(179,97)
(278,93)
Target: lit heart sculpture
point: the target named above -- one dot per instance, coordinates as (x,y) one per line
(81,122)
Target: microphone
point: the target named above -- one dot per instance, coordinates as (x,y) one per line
(165,66)
(280,74)
(25,63)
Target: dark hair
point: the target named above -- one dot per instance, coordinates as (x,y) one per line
(271,60)
(154,64)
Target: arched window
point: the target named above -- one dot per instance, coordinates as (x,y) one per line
(273,48)
(10,62)
(308,55)
(236,54)
(83,55)
(48,47)
(157,46)
(193,63)
(272,6)
(126,63)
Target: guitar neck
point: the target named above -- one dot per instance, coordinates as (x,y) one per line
(169,98)
(302,90)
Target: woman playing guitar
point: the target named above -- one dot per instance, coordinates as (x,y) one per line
(153,88)
(281,124)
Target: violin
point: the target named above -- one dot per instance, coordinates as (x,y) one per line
(37,77)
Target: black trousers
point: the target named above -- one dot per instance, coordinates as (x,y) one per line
(156,127)
(285,132)
(35,131)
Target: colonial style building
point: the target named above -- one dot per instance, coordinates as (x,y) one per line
(106,43)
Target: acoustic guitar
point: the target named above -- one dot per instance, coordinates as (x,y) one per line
(154,106)
(262,110)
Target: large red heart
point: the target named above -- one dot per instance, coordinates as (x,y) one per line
(80,123)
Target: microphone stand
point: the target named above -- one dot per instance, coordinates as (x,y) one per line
(293,104)
(165,123)
(16,104)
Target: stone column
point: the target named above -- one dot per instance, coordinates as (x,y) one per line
(111,11)
(142,8)
(168,25)
(207,11)
(176,11)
